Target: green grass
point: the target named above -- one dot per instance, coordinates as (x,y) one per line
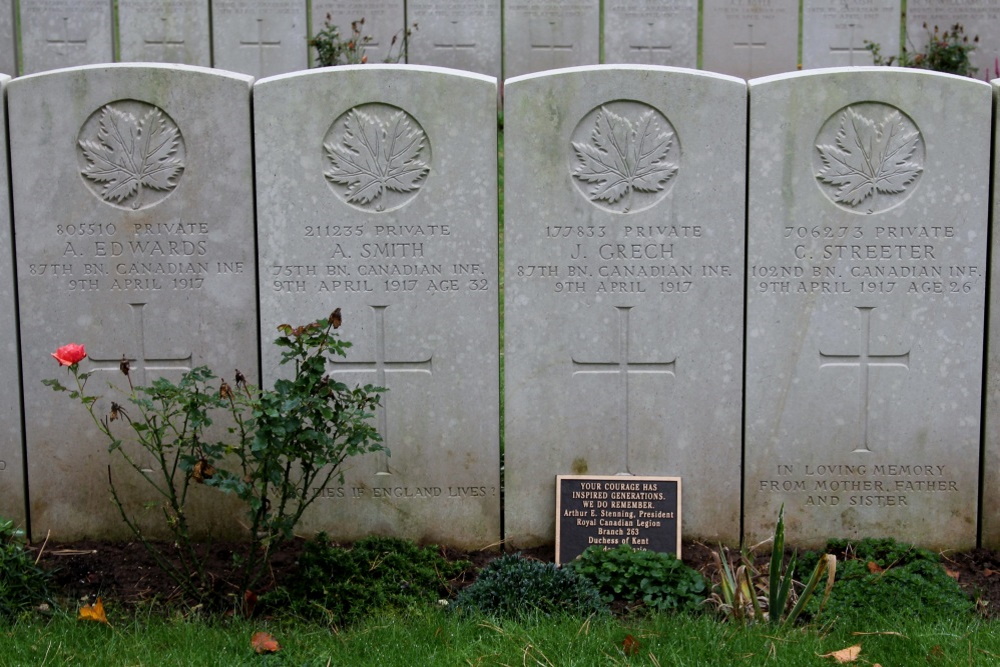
(433,637)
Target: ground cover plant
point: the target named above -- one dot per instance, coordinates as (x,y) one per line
(23,584)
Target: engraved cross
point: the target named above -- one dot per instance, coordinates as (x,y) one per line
(750,45)
(455,44)
(554,45)
(381,366)
(140,362)
(623,368)
(649,47)
(163,42)
(864,361)
(260,45)
(66,39)
(849,49)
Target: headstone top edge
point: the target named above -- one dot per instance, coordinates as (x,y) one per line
(873,69)
(427,69)
(173,67)
(622,68)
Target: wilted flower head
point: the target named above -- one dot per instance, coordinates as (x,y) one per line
(71,354)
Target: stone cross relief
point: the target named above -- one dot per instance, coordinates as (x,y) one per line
(864,361)
(623,367)
(650,45)
(553,44)
(260,44)
(455,43)
(750,45)
(849,49)
(382,366)
(62,43)
(164,42)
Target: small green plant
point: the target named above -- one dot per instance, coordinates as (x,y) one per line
(514,586)
(334,49)
(658,581)
(282,448)
(883,577)
(341,585)
(746,594)
(947,52)
(23,584)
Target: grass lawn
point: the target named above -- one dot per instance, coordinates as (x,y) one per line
(435,637)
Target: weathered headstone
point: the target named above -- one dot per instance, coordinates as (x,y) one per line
(259,37)
(750,38)
(623,288)
(990,504)
(462,35)
(978,18)
(866,279)
(8,45)
(652,32)
(550,34)
(410,258)
(834,31)
(134,229)
(383,23)
(64,33)
(11,459)
(169,31)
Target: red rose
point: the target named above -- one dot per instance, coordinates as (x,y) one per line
(67,355)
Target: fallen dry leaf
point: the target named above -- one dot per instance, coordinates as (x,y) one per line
(874,568)
(263,642)
(630,645)
(93,612)
(954,574)
(849,654)
(988,572)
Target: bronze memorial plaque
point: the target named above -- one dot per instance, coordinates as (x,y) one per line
(644,512)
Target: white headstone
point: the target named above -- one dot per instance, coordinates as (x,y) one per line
(8,45)
(990,503)
(624,205)
(866,278)
(978,18)
(168,31)
(384,22)
(549,34)
(463,35)
(652,32)
(834,31)
(64,33)
(259,37)
(410,258)
(750,38)
(11,459)
(157,264)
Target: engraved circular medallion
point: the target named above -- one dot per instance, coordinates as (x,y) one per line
(377,157)
(131,154)
(625,155)
(869,157)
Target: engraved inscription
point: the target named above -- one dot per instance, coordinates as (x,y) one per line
(378,157)
(869,157)
(626,154)
(131,154)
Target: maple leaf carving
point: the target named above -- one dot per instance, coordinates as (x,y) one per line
(376,155)
(622,156)
(132,153)
(869,157)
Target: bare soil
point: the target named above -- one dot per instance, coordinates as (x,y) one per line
(125,574)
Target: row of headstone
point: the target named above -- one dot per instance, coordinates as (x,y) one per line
(266,37)
(629,296)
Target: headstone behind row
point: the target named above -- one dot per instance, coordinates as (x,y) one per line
(134,228)
(11,459)
(377,200)
(383,21)
(462,35)
(259,37)
(64,34)
(865,310)
(990,505)
(749,39)
(8,45)
(624,191)
(169,31)
(550,34)
(834,31)
(978,18)
(651,32)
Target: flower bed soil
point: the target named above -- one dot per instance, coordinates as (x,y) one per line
(124,574)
